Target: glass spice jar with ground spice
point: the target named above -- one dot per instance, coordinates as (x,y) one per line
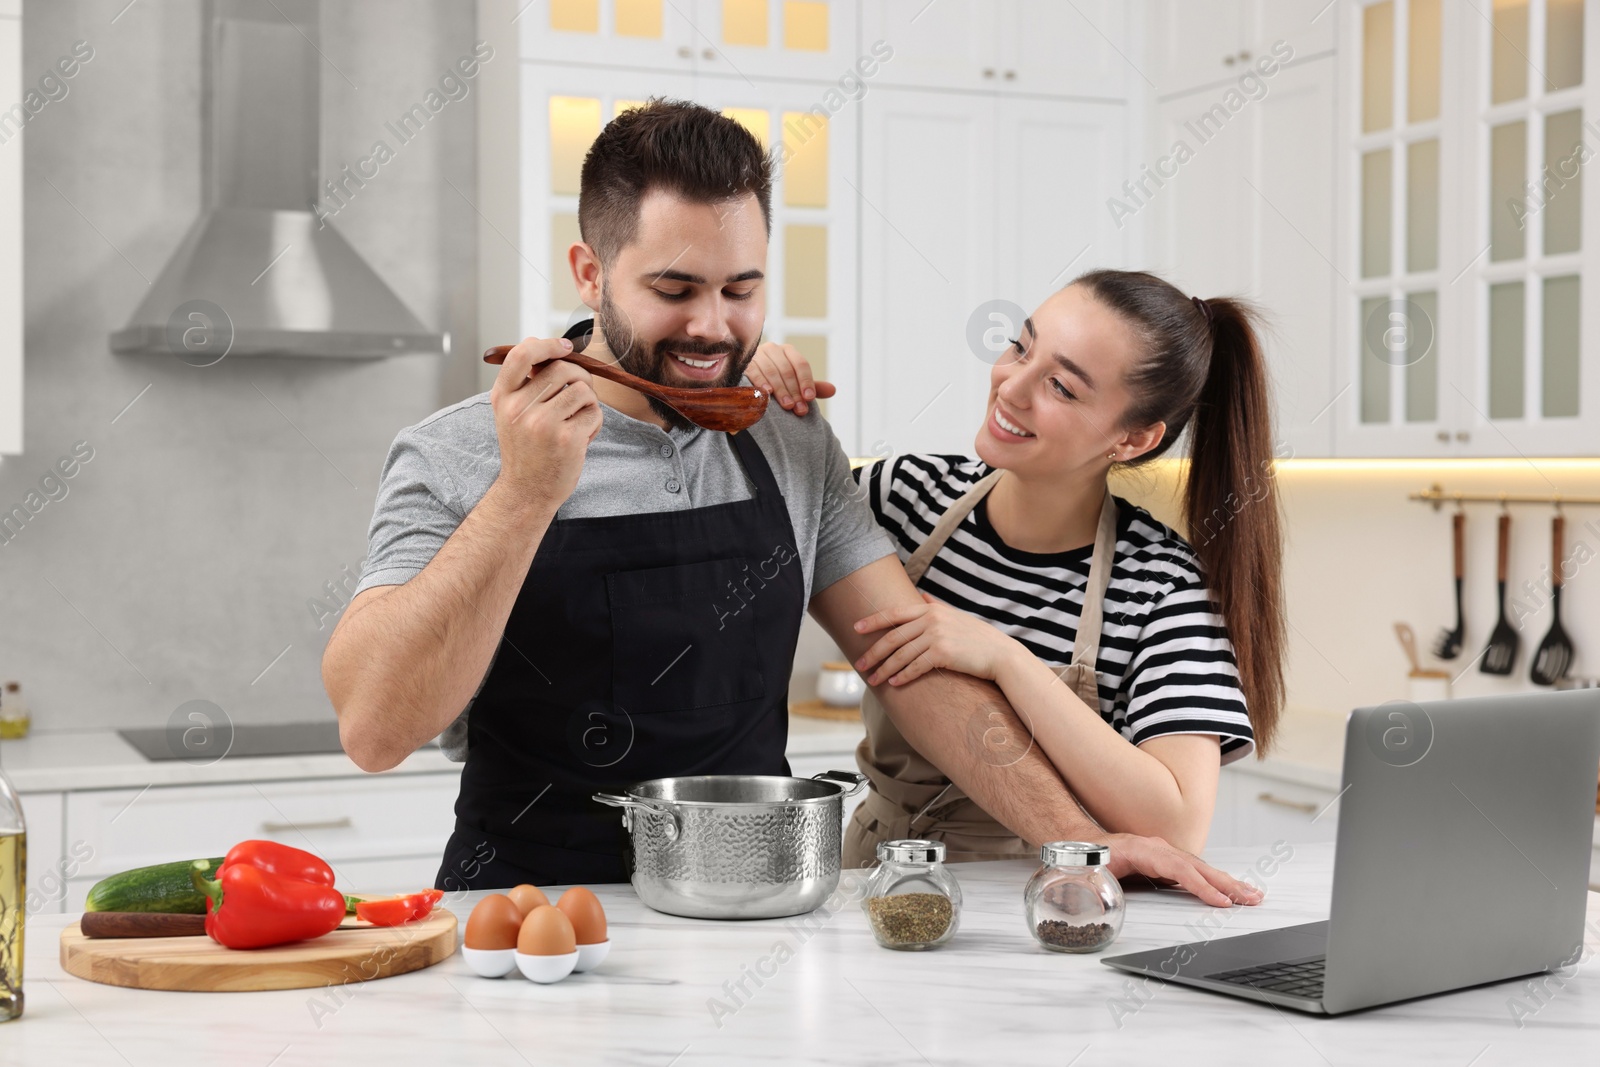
(912,901)
(1072,902)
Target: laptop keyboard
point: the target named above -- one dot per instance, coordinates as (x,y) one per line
(1302,979)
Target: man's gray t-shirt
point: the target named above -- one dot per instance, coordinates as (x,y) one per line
(439,469)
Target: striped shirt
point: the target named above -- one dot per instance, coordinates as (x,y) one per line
(1166,664)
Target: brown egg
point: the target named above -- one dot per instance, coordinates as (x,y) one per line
(546,932)
(588,918)
(494,923)
(527,897)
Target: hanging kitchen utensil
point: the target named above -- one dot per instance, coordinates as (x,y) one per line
(728,409)
(1448,644)
(1501,653)
(1554,656)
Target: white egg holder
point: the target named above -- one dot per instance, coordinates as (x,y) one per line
(499,962)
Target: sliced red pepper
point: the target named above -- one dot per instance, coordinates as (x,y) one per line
(283,860)
(393,911)
(247,907)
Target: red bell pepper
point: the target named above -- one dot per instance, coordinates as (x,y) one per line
(393,911)
(247,907)
(283,860)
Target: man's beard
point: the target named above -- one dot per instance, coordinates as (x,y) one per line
(650,361)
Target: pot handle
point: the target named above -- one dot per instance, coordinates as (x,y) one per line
(856,782)
(631,804)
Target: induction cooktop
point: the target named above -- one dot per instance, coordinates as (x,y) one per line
(248,739)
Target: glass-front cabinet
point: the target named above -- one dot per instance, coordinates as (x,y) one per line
(1466,235)
(810,299)
(737,38)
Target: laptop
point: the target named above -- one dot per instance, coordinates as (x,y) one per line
(1462,858)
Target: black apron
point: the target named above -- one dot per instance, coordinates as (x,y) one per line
(641,646)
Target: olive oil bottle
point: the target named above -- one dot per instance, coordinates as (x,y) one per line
(13,899)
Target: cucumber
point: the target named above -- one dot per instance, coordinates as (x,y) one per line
(164,887)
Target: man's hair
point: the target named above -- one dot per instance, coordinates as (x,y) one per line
(674,145)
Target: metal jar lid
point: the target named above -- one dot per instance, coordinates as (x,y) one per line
(1074,854)
(911,850)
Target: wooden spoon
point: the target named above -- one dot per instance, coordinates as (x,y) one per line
(727,409)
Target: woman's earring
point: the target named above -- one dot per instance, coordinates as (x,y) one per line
(1112,455)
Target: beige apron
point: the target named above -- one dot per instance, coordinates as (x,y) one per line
(910,797)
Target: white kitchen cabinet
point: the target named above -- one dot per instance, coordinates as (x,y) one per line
(1192,43)
(11,234)
(812,765)
(1462,206)
(968,199)
(1529,373)
(1292,203)
(743,39)
(953,45)
(49,863)
(1258,809)
(1054,162)
(1195,43)
(630,34)
(1077,49)
(1241,203)
(1008,46)
(929,251)
(753,39)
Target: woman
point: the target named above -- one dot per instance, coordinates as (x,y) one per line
(1034,575)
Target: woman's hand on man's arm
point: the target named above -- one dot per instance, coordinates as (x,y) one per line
(965,727)
(786,376)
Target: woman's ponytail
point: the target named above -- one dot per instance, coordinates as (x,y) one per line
(1203,369)
(1232,512)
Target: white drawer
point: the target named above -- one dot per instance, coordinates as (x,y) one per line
(1269,810)
(339,819)
(49,866)
(400,874)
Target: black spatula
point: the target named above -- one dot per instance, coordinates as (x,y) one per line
(1448,644)
(1550,663)
(1501,655)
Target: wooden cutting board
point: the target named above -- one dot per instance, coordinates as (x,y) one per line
(821,709)
(199,964)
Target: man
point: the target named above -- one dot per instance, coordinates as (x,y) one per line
(616,593)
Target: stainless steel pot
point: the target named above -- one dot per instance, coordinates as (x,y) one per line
(736,846)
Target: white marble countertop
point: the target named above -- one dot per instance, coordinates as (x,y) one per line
(990,996)
(51,760)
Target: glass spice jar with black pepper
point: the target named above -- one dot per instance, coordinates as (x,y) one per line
(912,901)
(1072,901)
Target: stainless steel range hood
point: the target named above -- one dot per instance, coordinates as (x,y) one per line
(287,282)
